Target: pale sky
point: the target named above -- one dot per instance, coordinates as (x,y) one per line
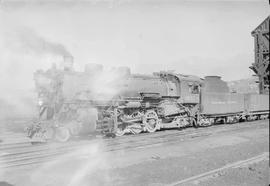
(191,37)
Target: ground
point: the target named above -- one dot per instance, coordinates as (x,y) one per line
(220,155)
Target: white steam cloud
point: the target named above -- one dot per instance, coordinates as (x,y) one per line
(23,51)
(27,40)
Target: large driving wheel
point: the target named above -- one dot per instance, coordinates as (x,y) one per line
(62,134)
(150,121)
(120,132)
(135,128)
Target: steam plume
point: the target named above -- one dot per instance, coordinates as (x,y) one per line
(23,52)
(29,41)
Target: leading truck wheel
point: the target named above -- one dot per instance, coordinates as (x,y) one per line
(48,134)
(150,121)
(62,134)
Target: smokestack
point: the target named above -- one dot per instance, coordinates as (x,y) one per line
(68,63)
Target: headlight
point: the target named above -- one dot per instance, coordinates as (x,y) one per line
(40,102)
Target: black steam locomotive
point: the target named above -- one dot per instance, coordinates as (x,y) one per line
(118,102)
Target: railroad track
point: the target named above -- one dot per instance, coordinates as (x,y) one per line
(199,177)
(39,156)
(21,154)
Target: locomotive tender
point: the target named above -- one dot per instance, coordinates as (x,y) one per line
(116,101)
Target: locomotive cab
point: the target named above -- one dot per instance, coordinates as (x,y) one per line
(186,87)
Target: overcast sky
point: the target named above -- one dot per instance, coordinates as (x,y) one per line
(191,37)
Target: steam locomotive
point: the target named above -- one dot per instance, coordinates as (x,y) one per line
(117,102)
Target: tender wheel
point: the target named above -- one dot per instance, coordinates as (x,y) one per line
(62,134)
(204,122)
(150,121)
